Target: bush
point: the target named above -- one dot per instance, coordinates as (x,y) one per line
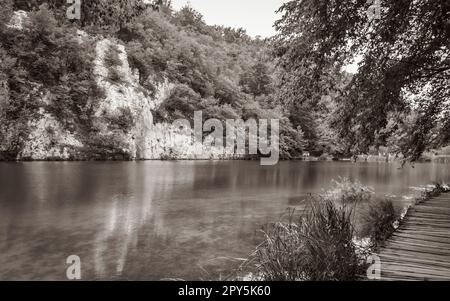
(170,155)
(315,246)
(112,62)
(123,121)
(112,58)
(379,222)
(438,188)
(114,76)
(105,147)
(181,103)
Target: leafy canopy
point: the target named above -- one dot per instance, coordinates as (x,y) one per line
(400,93)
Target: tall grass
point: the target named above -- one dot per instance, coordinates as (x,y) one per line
(317,245)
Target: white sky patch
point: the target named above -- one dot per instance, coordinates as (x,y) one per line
(354,67)
(255,16)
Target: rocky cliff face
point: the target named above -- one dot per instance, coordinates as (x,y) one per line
(144,139)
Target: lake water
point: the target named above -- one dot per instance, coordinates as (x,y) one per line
(154,220)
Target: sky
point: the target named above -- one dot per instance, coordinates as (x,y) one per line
(354,67)
(255,16)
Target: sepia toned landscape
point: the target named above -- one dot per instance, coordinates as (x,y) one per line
(295,140)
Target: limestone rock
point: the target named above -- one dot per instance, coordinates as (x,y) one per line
(47,140)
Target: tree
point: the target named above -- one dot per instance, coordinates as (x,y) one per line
(105,14)
(256,81)
(405,66)
(111,13)
(189,17)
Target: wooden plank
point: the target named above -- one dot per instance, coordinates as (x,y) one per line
(393,278)
(415,259)
(418,211)
(418,249)
(428,232)
(432,212)
(440,234)
(442,245)
(437,201)
(441,197)
(427,219)
(411,254)
(432,228)
(433,208)
(427,206)
(418,242)
(437,204)
(430,215)
(422,238)
(438,269)
(424,264)
(419,272)
(431,270)
(411,271)
(418,276)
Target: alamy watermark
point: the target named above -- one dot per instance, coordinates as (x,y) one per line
(73,12)
(73,272)
(374,270)
(374,10)
(231,137)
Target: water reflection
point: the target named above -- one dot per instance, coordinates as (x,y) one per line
(153,220)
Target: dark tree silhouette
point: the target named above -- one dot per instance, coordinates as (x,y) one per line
(405,68)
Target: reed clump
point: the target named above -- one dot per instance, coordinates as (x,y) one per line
(316,245)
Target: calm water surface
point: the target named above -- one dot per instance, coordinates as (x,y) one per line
(155,220)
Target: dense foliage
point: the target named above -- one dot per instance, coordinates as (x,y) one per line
(103,14)
(44,66)
(399,96)
(396,102)
(219,70)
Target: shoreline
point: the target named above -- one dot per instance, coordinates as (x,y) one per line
(309,159)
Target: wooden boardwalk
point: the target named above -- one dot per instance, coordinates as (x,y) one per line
(420,248)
